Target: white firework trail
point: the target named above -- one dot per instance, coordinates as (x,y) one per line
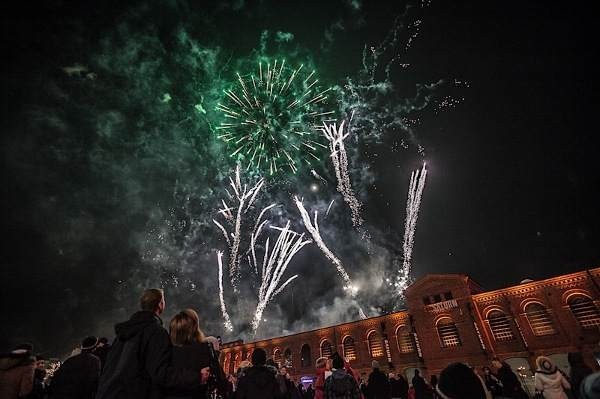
(329,207)
(274,264)
(245,198)
(226,318)
(335,135)
(413,202)
(313,229)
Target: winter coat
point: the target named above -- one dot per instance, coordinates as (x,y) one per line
(552,385)
(378,386)
(258,383)
(77,378)
(341,385)
(420,386)
(192,357)
(139,362)
(16,375)
(511,387)
(398,388)
(320,383)
(579,370)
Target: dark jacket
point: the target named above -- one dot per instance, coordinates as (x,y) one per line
(258,383)
(192,357)
(16,375)
(77,378)
(341,385)
(420,386)
(139,362)
(399,388)
(579,370)
(378,386)
(511,387)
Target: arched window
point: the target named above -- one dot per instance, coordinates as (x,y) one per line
(287,358)
(305,358)
(277,356)
(349,349)
(227,363)
(584,310)
(500,326)
(249,354)
(326,350)
(448,333)
(406,343)
(539,319)
(237,361)
(375,346)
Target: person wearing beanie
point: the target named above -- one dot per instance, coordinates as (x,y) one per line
(549,380)
(17,369)
(78,376)
(459,381)
(378,386)
(340,384)
(590,387)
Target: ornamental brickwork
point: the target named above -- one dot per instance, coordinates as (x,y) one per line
(450,318)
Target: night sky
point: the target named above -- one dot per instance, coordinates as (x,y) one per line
(95,164)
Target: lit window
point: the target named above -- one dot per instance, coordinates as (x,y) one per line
(277,357)
(349,349)
(326,350)
(500,326)
(375,346)
(539,319)
(448,333)
(406,343)
(585,311)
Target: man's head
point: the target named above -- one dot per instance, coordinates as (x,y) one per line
(496,363)
(259,357)
(283,370)
(337,362)
(89,343)
(153,300)
(375,364)
(417,372)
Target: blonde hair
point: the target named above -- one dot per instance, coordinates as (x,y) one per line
(321,362)
(184,328)
(151,298)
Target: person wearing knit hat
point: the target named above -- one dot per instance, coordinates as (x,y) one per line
(89,343)
(549,380)
(459,381)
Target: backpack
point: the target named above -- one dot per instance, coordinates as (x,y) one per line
(341,388)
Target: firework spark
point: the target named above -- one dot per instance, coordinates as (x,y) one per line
(226,318)
(269,118)
(313,228)
(274,265)
(336,137)
(413,202)
(245,199)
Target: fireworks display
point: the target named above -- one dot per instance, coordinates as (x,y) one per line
(269,117)
(339,159)
(413,203)
(226,319)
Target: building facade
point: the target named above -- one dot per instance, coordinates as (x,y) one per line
(450,318)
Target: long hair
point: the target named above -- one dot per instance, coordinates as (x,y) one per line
(185,328)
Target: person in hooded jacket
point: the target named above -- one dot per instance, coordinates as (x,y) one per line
(77,377)
(578,371)
(340,384)
(378,386)
(549,380)
(258,382)
(139,362)
(16,372)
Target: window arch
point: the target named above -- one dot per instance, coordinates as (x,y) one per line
(500,325)
(375,346)
(287,358)
(448,333)
(305,358)
(406,342)
(277,356)
(227,363)
(585,310)
(349,348)
(539,319)
(249,354)
(326,350)
(237,360)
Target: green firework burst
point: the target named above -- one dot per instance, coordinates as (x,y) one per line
(270,118)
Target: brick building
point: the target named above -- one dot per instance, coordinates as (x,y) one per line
(449,318)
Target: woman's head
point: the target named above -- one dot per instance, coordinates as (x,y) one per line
(185,328)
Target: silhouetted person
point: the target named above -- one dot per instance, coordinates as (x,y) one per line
(419,385)
(102,350)
(16,372)
(77,377)
(340,384)
(378,386)
(459,381)
(139,362)
(511,386)
(258,382)
(578,371)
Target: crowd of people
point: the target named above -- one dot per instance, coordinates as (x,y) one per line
(147,361)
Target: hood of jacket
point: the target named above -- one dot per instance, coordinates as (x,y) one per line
(11,361)
(338,374)
(136,324)
(260,375)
